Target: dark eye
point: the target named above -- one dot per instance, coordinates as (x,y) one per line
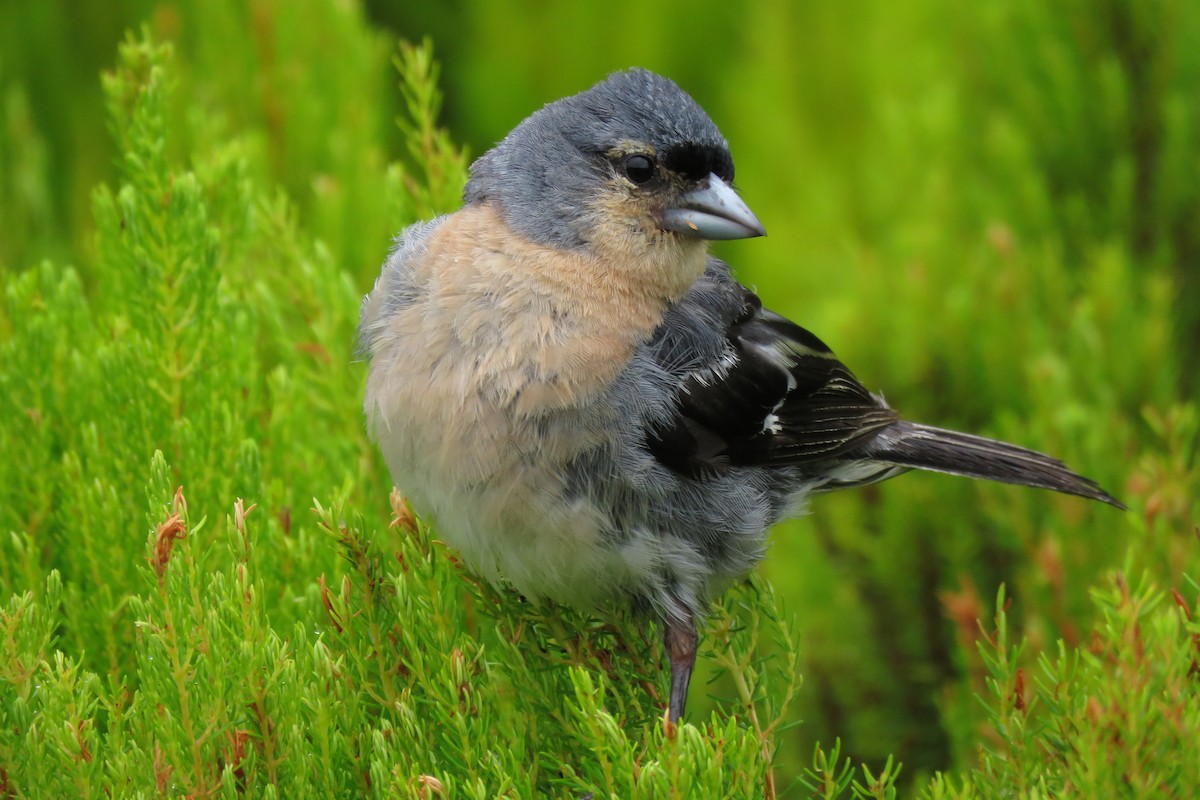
(639,168)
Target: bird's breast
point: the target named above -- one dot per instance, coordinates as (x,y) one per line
(532,328)
(491,378)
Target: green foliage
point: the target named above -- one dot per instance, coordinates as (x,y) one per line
(1115,719)
(988,209)
(280,653)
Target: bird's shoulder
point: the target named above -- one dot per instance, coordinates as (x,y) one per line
(465,269)
(752,388)
(398,285)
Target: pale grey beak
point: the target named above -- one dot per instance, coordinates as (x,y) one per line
(714,211)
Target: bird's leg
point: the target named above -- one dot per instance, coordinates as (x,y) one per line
(680,639)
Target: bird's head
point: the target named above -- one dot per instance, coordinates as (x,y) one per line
(632,164)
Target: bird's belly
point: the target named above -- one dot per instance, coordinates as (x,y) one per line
(493,481)
(543,549)
(516,526)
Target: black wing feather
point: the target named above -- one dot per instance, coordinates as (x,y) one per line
(776,397)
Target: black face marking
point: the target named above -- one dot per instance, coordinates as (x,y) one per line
(694,161)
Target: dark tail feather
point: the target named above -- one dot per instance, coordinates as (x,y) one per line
(925,447)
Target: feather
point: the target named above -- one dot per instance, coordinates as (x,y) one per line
(779,397)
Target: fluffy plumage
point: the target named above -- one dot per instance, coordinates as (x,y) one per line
(588,404)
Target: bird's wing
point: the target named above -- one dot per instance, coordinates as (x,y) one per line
(770,394)
(774,396)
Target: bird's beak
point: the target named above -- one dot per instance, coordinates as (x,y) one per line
(714,211)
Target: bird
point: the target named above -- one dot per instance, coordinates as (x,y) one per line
(589,406)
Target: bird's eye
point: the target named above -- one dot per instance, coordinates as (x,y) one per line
(639,168)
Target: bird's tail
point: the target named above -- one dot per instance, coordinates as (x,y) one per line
(924,447)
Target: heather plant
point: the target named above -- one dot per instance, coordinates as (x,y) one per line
(208,586)
(182,621)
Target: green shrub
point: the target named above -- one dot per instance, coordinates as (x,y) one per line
(211,589)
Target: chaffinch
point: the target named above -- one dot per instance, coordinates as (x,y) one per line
(589,405)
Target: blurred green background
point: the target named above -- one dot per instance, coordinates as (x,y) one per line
(990,210)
